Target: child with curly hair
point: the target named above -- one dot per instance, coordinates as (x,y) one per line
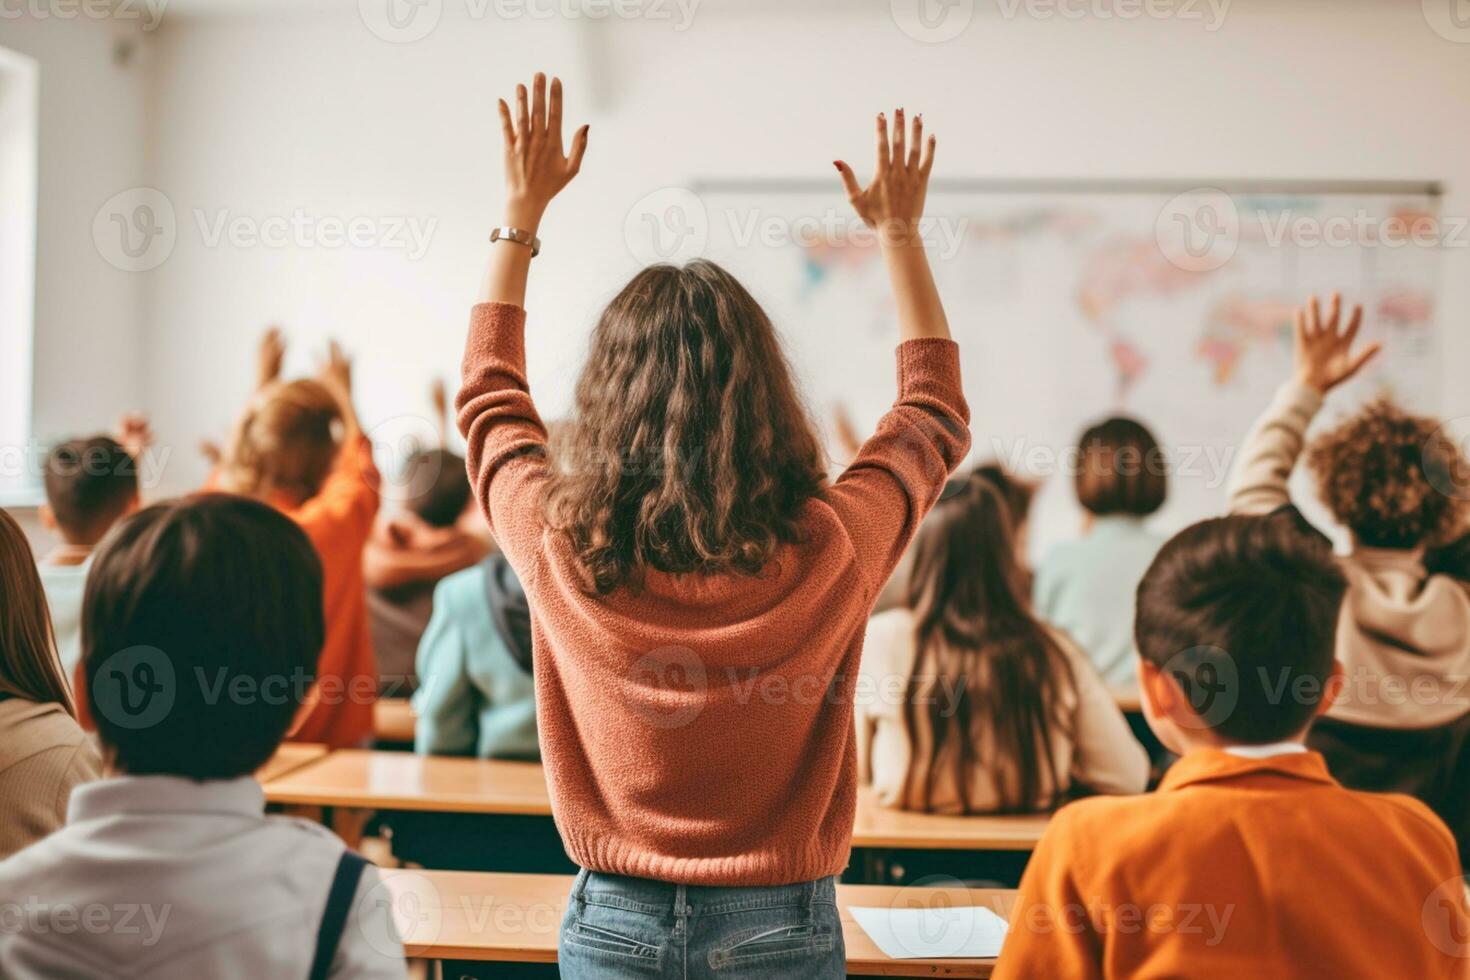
(1393,479)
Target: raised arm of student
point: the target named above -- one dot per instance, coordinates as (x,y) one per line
(1324,359)
(504,437)
(900,471)
(339,517)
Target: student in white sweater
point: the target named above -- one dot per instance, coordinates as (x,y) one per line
(969,704)
(1402,719)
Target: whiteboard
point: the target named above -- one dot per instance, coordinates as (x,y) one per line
(1170,302)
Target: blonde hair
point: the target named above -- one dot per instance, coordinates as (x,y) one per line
(285,443)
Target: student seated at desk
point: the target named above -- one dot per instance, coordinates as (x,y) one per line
(998,712)
(1249,860)
(299,448)
(203,619)
(477,696)
(1085,587)
(43,752)
(91,483)
(1402,721)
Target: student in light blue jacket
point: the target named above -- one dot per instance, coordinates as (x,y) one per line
(1086,587)
(474,665)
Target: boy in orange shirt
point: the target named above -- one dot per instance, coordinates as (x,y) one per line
(1250,860)
(299,448)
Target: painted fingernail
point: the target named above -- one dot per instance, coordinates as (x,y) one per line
(838,165)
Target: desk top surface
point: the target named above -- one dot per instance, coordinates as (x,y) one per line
(404,781)
(517,918)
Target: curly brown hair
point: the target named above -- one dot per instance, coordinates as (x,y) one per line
(690,450)
(1389,477)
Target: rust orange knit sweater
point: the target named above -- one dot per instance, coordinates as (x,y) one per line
(700,730)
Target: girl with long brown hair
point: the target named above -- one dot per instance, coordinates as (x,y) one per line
(43,752)
(698,589)
(996,712)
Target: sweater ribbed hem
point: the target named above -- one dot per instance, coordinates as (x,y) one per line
(610,855)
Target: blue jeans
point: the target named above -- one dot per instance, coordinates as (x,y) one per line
(636,928)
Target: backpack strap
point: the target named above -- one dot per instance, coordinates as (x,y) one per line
(334,918)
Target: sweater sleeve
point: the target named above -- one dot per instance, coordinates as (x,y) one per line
(1258,485)
(1107,758)
(504,436)
(900,471)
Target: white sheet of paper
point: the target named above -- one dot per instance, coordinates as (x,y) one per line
(941,933)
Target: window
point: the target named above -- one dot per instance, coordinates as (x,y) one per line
(18,153)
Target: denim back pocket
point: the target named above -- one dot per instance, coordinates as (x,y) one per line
(775,940)
(629,938)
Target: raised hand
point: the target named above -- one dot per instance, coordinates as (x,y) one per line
(1324,353)
(894,202)
(268,357)
(536,167)
(134,434)
(439,395)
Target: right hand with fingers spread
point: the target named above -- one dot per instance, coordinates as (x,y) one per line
(894,202)
(536,168)
(1324,354)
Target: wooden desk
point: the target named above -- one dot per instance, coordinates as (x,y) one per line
(290,756)
(508,918)
(393,720)
(360,779)
(879,827)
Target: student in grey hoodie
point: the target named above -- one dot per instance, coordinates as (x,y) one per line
(1401,722)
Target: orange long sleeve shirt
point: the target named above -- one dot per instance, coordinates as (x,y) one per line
(700,730)
(1240,867)
(338,710)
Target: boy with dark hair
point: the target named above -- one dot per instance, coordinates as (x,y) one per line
(1250,859)
(202,625)
(90,484)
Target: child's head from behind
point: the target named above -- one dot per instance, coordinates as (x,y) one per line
(90,483)
(1386,476)
(439,486)
(690,450)
(201,626)
(28,665)
(964,560)
(1236,624)
(286,442)
(1120,469)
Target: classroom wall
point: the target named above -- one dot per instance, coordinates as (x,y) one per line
(89,315)
(259,114)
